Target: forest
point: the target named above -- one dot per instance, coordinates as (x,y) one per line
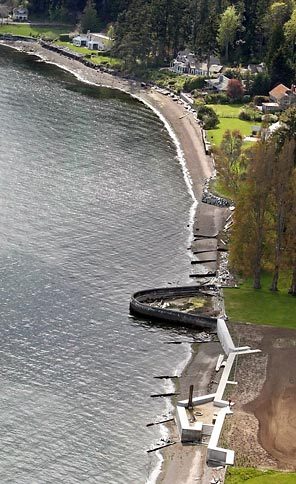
(151,32)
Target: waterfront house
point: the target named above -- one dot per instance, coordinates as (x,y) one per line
(80,41)
(20,14)
(218,84)
(283,96)
(93,41)
(99,42)
(187,63)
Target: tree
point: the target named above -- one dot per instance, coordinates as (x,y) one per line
(90,20)
(288,129)
(290,31)
(203,40)
(282,166)
(229,24)
(252,215)
(133,36)
(260,84)
(281,70)
(228,160)
(278,14)
(208,116)
(235,89)
(166,27)
(291,234)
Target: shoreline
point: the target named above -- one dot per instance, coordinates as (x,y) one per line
(197,167)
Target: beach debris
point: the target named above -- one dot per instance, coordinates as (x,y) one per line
(160,422)
(159,447)
(203,261)
(190,404)
(204,339)
(162,377)
(156,395)
(200,274)
(174,342)
(219,362)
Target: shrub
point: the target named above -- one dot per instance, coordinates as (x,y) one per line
(245,116)
(258,100)
(246,98)
(196,82)
(235,89)
(233,73)
(270,118)
(207,115)
(217,98)
(258,117)
(64,38)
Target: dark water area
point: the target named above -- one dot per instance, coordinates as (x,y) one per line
(93,206)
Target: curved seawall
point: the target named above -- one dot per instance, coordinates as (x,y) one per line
(139,305)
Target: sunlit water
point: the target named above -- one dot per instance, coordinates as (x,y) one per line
(93,206)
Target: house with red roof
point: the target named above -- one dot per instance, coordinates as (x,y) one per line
(283,95)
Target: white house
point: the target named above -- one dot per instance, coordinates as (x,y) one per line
(187,63)
(93,41)
(80,40)
(20,14)
(99,42)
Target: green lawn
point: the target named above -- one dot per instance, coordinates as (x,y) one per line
(27,30)
(228,115)
(96,57)
(261,306)
(227,110)
(250,475)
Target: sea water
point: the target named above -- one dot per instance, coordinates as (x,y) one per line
(93,206)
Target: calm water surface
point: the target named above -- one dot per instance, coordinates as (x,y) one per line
(93,207)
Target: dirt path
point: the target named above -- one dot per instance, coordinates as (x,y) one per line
(263,429)
(275,407)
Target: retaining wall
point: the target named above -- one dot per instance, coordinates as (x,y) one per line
(224,336)
(139,306)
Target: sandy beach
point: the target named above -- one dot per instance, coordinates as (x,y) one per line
(182,464)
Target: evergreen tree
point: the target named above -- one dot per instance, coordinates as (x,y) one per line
(229,24)
(281,70)
(133,39)
(90,20)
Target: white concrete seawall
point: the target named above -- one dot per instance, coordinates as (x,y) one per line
(210,423)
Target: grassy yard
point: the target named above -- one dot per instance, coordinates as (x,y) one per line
(227,110)
(96,57)
(228,115)
(249,475)
(27,30)
(261,306)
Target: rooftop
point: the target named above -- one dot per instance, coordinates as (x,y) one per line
(280,91)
